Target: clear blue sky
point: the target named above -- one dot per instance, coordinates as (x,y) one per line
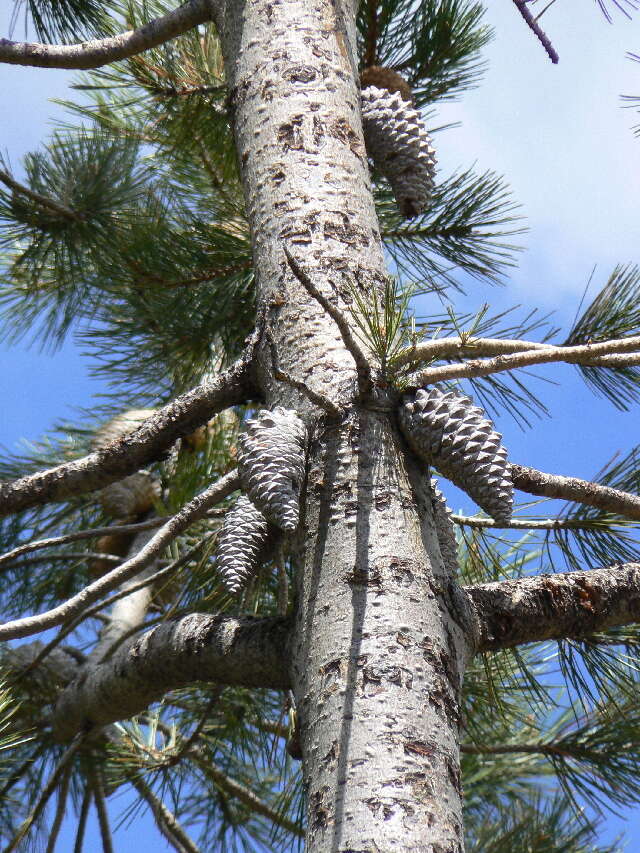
(559,136)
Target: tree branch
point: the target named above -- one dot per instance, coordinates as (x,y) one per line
(189,513)
(250,799)
(536,29)
(78,535)
(480,521)
(61,809)
(93,54)
(460,346)
(199,647)
(82,820)
(43,200)
(551,607)
(166,821)
(101,808)
(596,355)
(363,368)
(573,489)
(136,449)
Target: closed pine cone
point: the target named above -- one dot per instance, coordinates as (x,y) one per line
(398,143)
(450,433)
(244,542)
(271,464)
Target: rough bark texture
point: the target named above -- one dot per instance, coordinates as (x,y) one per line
(379,658)
(199,647)
(377,652)
(547,607)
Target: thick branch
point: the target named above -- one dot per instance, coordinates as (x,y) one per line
(190,513)
(551,607)
(135,450)
(573,489)
(597,355)
(199,647)
(93,54)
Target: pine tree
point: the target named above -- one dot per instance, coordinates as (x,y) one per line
(210,225)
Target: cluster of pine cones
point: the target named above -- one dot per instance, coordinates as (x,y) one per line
(443,428)
(271,460)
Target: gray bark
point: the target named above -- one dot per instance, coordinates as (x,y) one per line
(573,489)
(228,650)
(548,607)
(378,652)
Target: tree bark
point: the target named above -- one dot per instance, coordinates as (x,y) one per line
(244,651)
(549,607)
(378,648)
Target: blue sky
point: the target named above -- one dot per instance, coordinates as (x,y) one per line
(560,137)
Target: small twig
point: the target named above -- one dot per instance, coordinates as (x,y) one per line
(522,523)
(69,555)
(509,749)
(82,820)
(42,200)
(92,534)
(46,793)
(94,611)
(245,795)
(573,489)
(93,54)
(165,819)
(363,368)
(101,809)
(534,26)
(60,811)
(318,399)
(70,608)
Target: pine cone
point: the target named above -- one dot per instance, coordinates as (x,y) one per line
(243,544)
(386,78)
(450,433)
(116,544)
(271,464)
(400,147)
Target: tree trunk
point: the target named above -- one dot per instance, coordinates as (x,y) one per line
(380,644)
